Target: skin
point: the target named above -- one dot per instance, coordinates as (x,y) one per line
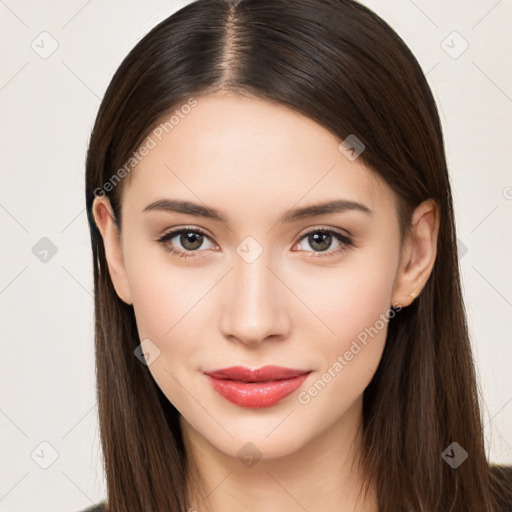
(294,305)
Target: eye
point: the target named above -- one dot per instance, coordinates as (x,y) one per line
(189,239)
(192,239)
(322,239)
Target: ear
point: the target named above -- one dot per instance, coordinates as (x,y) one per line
(105,220)
(418,255)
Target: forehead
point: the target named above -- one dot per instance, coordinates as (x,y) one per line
(229,149)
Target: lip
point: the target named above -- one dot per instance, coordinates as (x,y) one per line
(262,387)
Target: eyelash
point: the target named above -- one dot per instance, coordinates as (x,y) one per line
(343,239)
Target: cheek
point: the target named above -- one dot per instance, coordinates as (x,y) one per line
(355,304)
(347,360)
(164,300)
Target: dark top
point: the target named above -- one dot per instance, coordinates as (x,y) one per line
(503,472)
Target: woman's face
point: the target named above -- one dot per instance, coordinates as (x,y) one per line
(265,285)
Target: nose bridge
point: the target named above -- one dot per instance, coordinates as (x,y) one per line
(255,307)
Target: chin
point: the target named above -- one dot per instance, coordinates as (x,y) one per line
(278,432)
(257,446)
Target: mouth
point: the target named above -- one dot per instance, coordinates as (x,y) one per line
(262,387)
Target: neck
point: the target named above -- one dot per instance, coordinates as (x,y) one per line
(323,475)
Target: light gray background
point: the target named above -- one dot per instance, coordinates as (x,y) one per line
(48,107)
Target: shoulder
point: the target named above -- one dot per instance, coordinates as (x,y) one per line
(100,507)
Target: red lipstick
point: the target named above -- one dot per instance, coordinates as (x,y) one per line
(258,388)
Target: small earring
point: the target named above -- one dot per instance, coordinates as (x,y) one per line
(413,295)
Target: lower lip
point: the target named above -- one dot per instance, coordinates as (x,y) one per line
(256,394)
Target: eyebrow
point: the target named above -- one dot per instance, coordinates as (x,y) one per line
(198,210)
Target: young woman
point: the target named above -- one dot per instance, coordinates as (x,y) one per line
(279,317)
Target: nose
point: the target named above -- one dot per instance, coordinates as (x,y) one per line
(254,306)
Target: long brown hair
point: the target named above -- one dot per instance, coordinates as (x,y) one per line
(338,63)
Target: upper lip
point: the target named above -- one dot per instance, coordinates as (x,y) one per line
(264,374)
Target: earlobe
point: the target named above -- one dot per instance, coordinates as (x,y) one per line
(418,253)
(106,223)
